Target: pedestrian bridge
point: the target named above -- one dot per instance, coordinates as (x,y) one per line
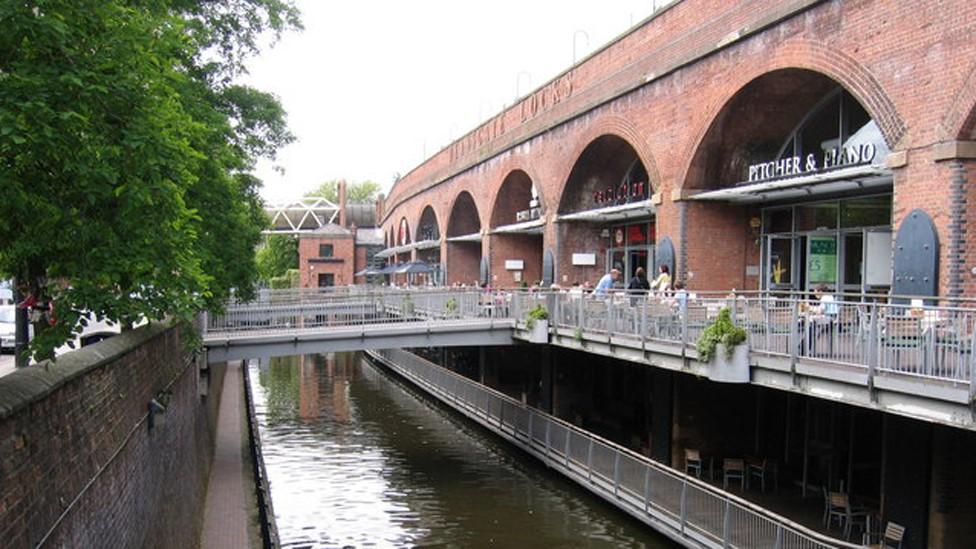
(294,323)
(912,360)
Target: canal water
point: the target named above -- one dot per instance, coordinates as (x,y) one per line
(356,458)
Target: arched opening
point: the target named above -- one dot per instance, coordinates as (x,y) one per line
(428,244)
(464,242)
(606,217)
(789,191)
(517,232)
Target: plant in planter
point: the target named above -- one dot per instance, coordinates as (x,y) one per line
(578,336)
(722,344)
(537,322)
(451,308)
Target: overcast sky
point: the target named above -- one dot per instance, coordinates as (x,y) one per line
(372,87)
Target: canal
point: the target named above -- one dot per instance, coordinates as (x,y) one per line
(356,458)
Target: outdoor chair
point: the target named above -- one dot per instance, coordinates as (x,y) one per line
(693,462)
(892,537)
(760,469)
(733,469)
(839,508)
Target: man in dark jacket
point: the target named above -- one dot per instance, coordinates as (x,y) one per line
(638,286)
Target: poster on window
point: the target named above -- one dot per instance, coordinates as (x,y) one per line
(822,262)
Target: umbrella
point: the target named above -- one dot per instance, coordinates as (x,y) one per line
(413,267)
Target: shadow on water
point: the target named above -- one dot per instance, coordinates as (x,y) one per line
(359,458)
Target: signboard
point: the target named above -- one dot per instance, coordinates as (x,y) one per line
(822,261)
(514,264)
(838,157)
(585,260)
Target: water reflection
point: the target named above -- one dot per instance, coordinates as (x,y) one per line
(356,459)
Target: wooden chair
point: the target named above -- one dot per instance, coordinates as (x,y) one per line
(892,538)
(693,462)
(760,469)
(733,469)
(839,507)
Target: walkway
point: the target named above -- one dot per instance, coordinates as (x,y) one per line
(227,519)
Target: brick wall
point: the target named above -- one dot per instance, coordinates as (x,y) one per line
(83,418)
(679,90)
(342,266)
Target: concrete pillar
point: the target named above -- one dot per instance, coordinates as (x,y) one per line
(481,365)
(905,475)
(547,385)
(662,414)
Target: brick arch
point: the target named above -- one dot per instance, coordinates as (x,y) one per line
(454,204)
(496,190)
(437,219)
(812,56)
(959,121)
(607,125)
(510,165)
(405,238)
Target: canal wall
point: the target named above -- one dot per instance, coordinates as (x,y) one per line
(80,465)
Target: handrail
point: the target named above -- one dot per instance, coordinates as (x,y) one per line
(411,364)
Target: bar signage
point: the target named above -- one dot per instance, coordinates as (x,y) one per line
(622,193)
(838,157)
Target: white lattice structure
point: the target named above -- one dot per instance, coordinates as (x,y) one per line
(301,216)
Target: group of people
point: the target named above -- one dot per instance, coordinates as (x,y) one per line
(639,283)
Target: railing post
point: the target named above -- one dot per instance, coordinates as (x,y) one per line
(647,488)
(794,339)
(727,524)
(642,325)
(548,447)
(609,318)
(972,373)
(684,504)
(204,322)
(579,316)
(531,438)
(684,330)
(616,473)
(779,537)
(569,435)
(874,350)
(589,462)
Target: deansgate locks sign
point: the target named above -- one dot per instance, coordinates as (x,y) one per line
(838,157)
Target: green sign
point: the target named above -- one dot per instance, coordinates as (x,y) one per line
(822,263)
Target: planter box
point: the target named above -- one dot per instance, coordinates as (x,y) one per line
(730,370)
(540,332)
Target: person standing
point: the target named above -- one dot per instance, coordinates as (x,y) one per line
(663,281)
(638,285)
(606,283)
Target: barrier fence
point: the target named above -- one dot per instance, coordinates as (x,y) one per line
(683,507)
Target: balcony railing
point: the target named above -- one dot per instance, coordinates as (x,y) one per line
(922,341)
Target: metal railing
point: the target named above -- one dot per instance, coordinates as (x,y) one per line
(681,506)
(920,340)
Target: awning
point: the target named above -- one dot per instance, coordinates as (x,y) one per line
(473,237)
(394,251)
(427,244)
(412,268)
(633,210)
(819,184)
(536,226)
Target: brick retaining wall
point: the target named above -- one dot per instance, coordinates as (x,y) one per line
(79,466)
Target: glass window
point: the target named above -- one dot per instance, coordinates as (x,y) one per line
(816,217)
(325,250)
(853,258)
(778,221)
(780,260)
(636,234)
(866,212)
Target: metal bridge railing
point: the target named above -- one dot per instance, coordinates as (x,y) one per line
(654,493)
(920,340)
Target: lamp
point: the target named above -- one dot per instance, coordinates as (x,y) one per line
(156,407)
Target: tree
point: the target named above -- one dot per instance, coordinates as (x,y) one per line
(125,148)
(276,256)
(359,191)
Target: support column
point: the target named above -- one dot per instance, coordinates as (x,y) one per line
(481,365)
(662,415)
(906,475)
(547,385)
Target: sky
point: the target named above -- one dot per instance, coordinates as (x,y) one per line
(373,87)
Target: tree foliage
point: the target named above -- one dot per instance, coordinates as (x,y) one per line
(358,191)
(276,256)
(125,148)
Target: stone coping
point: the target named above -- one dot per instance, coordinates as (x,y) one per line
(35,382)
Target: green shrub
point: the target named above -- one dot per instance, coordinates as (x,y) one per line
(536,313)
(723,331)
(451,306)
